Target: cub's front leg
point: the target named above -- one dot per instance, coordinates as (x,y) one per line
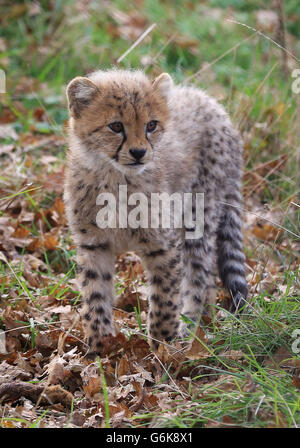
(95,278)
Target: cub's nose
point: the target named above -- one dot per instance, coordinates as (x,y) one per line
(138,154)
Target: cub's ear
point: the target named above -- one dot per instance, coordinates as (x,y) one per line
(80,92)
(163,83)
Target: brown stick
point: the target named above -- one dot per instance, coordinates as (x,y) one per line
(51,394)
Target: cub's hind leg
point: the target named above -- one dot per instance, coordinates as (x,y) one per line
(164,271)
(198,280)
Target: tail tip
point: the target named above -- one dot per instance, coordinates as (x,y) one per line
(239,301)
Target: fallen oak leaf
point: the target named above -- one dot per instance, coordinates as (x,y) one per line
(93,387)
(7,115)
(266,232)
(39,114)
(296,381)
(174,354)
(32,278)
(123,367)
(61,309)
(78,419)
(140,401)
(13,373)
(59,206)
(122,392)
(21,232)
(44,343)
(34,245)
(137,346)
(112,344)
(51,242)
(115,408)
(150,401)
(198,349)
(56,370)
(14,320)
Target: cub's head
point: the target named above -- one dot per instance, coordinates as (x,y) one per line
(118,116)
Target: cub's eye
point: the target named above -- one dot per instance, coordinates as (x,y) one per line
(117,127)
(151,126)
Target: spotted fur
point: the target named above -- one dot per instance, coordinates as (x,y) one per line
(194,148)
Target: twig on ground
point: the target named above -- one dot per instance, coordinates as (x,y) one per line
(35,392)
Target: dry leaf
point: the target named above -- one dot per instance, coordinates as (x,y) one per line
(93,387)
(7,131)
(296,381)
(56,370)
(267,232)
(198,350)
(250,386)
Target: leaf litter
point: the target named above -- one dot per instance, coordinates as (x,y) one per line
(44,367)
(40,372)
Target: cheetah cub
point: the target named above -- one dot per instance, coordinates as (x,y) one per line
(152,137)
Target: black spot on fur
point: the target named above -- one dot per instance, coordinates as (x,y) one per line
(102,246)
(96,296)
(95,326)
(157,280)
(156,253)
(91,274)
(99,310)
(80,186)
(106,276)
(197,299)
(155,298)
(173,263)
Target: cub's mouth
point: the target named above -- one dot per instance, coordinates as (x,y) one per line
(135,164)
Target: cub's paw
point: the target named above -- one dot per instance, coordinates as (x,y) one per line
(96,347)
(106,344)
(158,337)
(187,327)
(98,342)
(92,355)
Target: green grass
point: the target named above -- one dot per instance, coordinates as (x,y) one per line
(270,400)
(246,75)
